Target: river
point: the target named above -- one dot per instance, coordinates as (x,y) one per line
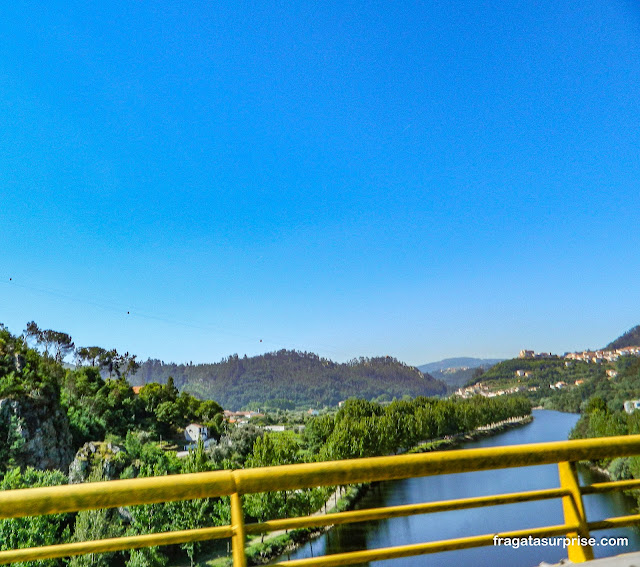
(546,426)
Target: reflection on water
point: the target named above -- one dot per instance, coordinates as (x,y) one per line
(547,426)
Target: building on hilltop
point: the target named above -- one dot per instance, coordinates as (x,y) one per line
(533,354)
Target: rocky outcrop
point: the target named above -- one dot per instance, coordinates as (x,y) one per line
(44,428)
(96,461)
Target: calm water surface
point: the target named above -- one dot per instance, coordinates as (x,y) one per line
(547,426)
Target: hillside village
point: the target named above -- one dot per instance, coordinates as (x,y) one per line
(596,357)
(522,376)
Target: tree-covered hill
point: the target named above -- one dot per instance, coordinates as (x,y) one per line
(630,338)
(290,379)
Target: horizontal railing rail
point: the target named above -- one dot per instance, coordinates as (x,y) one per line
(122,493)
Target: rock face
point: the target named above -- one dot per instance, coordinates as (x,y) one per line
(101,460)
(44,428)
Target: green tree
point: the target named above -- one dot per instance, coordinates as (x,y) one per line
(152,395)
(91,355)
(151,461)
(11,441)
(169,416)
(147,557)
(34,531)
(108,361)
(236,445)
(93,525)
(269,450)
(62,344)
(317,431)
(33,332)
(84,397)
(193,514)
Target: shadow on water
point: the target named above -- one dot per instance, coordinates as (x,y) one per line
(547,426)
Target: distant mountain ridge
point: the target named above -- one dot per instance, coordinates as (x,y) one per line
(290,379)
(630,338)
(456,372)
(460,362)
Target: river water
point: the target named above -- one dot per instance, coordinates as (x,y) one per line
(546,426)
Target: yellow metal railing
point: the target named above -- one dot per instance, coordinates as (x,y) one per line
(117,493)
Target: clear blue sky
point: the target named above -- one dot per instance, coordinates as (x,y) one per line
(415,179)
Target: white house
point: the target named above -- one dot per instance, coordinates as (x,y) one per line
(195,432)
(631,405)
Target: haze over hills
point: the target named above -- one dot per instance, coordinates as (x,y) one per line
(289,379)
(456,372)
(459,362)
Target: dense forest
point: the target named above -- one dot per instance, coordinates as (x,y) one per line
(60,424)
(291,379)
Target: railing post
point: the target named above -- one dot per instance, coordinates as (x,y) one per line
(238,539)
(574,512)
